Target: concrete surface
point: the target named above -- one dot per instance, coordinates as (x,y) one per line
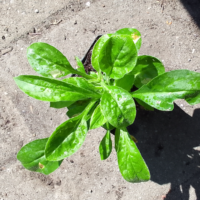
(169,141)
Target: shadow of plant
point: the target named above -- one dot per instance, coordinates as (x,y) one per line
(193,8)
(166,142)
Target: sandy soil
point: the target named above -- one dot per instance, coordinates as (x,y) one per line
(169,142)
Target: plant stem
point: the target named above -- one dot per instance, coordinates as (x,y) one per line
(83,74)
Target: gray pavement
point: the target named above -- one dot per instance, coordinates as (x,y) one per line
(169,142)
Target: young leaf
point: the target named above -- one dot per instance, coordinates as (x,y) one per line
(80,64)
(61,104)
(77,108)
(48,61)
(131,164)
(134,33)
(126,82)
(105,146)
(118,106)
(68,137)
(93,74)
(146,69)
(45,89)
(118,56)
(97,119)
(32,157)
(96,50)
(164,89)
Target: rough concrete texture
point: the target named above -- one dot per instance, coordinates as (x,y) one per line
(168,141)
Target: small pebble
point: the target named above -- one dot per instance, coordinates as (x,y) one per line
(193,50)
(36,11)
(88,4)
(181,105)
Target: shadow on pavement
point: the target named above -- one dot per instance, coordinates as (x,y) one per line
(193,8)
(167,142)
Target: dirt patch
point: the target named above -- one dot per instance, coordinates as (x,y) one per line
(169,34)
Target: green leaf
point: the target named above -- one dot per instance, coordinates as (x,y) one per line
(93,74)
(80,64)
(68,137)
(108,126)
(146,69)
(117,134)
(134,33)
(97,119)
(85,86)
(61,104)
(118,106)
(32,157)
(131,164)
(126,82)
(89,115)
(105,146)
(45,89)
(144,105)
(118,56)
(48,61)
(96,50)
(77,108)
(164,89)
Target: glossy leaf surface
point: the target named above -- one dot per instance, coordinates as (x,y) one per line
(66,139)
(48,61)
(80,64)
(118,56)
(86,87)
(144,105)
(126,82)
(96,50)
(131,164)
(118,106)
(164,89)
(105,146)
(146,69)
(45,89)
(97,119)
(134,33)
(77,108)
(61,104)
(32,157)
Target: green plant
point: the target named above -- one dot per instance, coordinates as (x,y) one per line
(101,99)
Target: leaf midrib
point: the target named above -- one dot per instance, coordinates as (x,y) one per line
(117,58)
(62,66)
(88,91)
(164,92)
